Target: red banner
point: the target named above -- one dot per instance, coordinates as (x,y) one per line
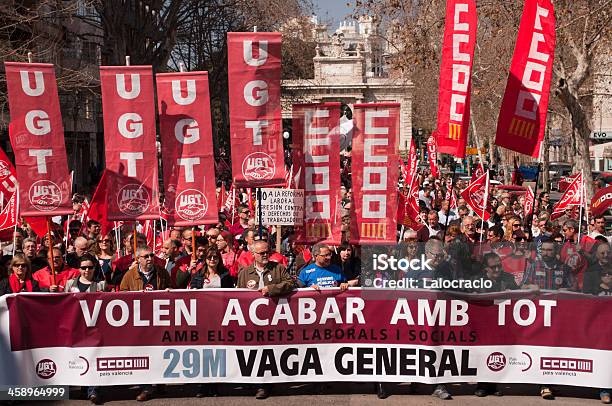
(37,136)
(456,76)
(129,139)
(528,203)
(432,154)
(254,73)
(188,160)
(406,214)
(476,195)
(522,118)
(375,173)
(413,160)
(10,213)
(571,197)
(360,335)
(317,152)
(601,201)
(8,178)
(477,172)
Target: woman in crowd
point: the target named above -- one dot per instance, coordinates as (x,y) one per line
(86,282)
(228,255)
(104,250)
(210,274)
(20,279)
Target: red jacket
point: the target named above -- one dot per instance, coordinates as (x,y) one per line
(246,258)
(43,277)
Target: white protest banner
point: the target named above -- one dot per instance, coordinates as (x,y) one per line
(282,207)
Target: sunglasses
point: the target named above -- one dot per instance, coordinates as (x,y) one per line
(212,257)
(20,265)
(87,267)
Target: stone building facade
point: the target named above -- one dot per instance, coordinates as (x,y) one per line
(350,67)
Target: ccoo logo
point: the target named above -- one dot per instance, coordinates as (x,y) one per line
(45,195)
(496,361)
(46,368)
(258,166)
(191,205)
(133,199)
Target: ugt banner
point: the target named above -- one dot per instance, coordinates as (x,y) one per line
(375,173)
(317,154)
(129,140)
(376,335)
(254,72)
(522,118)
(432,154)
(456,76)
(186,136)
(37,137)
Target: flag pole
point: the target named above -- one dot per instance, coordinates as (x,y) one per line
(581,205)
(485,202)
(259,213)
(452,185)
(193,244)
(50,251)
(134,242)
(535,193)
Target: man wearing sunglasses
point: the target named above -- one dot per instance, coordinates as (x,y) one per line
(62,273)
(244,214)
(144,274)
(322,273)
(270,279)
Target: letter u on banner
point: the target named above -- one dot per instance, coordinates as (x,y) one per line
(456,77)
(186,136)
(254,72)
(316,153)
(37,137)
(375,173)
(522,117)
(129,140)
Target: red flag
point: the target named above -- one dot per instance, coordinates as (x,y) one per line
(38,225)
(453,201)
(98,206)
(188,161)
(601,201)
(250,200)
(37,136)
(129,139)
(456,76)
(432,153)
(571,197)
(406,214)
(414,193)
(221,198)
(528,203)
(317,154)
(476,196)
(375,173)
(412,160)
(254,73)
(9,215)
(522,118)
(477,172)
(148,232)
(404,170)
(8,178)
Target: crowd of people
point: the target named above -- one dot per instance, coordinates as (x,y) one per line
(511,250)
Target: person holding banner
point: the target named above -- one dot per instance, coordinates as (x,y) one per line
(186,265)
(85,282)
(62,273)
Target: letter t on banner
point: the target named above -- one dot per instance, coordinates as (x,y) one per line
(254,72)
(37,136)
(375,173)
(129,139)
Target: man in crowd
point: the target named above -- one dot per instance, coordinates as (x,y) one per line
(171,251)
(433,225)
(144,275)
(187,238)
(243,221)
(322,273)
(599,228)
(31,252)
(81,247)
(63,272)
(270,279)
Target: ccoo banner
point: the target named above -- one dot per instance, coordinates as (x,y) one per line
(316,135)
(375,173)
(378,335)
(522,118)
(129,140)
(456,77)
(254,73)
(37,137)
(186,136)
